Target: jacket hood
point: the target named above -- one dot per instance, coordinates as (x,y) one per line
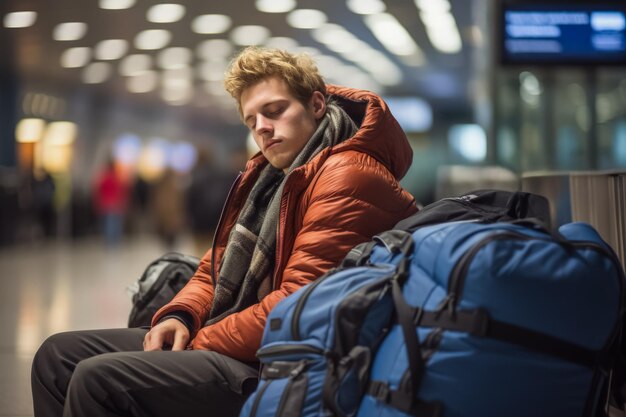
(379,134)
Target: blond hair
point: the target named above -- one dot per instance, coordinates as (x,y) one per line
(254,64)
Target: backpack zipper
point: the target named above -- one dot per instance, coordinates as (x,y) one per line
(456,282)
(295,327)
(295,320)
(281,350)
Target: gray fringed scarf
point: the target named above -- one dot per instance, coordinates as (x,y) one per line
(246,271)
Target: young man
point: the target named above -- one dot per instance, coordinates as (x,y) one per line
(325,180)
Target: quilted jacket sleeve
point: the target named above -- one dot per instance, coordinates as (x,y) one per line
(195,298)
(350,200)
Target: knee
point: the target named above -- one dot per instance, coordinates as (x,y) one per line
(50,353)
(95,374)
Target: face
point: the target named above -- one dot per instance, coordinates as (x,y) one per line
(280,124)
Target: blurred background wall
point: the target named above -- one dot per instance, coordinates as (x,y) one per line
(114,122)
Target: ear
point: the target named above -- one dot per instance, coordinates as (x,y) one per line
(318,104)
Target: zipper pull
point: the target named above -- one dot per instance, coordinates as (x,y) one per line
(298,370)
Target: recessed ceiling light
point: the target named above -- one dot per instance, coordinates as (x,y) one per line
(214,49)
(165,13)
(433,6)
(282,42)
(172,58)
(29,130)
(60,133)
(392,34)
(212,71)
(366,6)
(331,33)
(19,19)
(143,82)
(306,18)
(69,31)
(250,35)
(177,96)
(116,4)
(75,57)
(215,88)
(275,6)
(177,78)
(111,49)
(96,73)
(211,23)
(135,64)
(152,39)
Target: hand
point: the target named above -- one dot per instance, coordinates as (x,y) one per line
(168,333)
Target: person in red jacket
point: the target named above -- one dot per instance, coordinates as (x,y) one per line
(111,199)
(326,179)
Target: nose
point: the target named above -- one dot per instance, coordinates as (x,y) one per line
(263,125)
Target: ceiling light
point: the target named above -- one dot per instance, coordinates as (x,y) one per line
(172,58)
(152,39)
(282,42)
(60,133)
(366,6)
(442,31)
(96,73)
(434,6)
(29,130)
(165,13)
(211,23)
(116,4)
(75,57)
(178,96)
(313,52)
(392,34)
(306,18)
(135,64)
(347,45)
(177,78)
(214,49)
(215,88)
(70,31)
(250,35)
(275,6)
(19,19)
(212,71)
(143,82)
(111,49)
(331,33)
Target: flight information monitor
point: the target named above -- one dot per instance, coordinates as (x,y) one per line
(563,33)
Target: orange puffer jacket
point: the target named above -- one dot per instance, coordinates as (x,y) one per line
(342,197)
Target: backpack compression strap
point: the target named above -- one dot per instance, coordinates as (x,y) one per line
(478,323)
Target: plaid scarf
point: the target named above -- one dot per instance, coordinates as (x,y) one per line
(245,276)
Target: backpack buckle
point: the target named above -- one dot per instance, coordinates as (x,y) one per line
(379,390)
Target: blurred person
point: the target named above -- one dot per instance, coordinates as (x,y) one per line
(325,180)
(139,205)
(205,197)
(168,207)
(111,197)
(43,201)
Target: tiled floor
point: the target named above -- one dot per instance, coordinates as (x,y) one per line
(50,287)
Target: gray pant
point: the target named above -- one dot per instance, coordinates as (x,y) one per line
(107,373)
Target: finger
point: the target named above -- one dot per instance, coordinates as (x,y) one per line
(153,341)
(180,341)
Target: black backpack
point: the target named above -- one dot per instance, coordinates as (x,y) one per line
(485,206)
(158,284)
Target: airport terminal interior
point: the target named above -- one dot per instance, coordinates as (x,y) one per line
(115,128)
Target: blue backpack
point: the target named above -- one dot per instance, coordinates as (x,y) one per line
(511,321)
(454,319)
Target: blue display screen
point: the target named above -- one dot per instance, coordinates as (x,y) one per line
(563,34)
